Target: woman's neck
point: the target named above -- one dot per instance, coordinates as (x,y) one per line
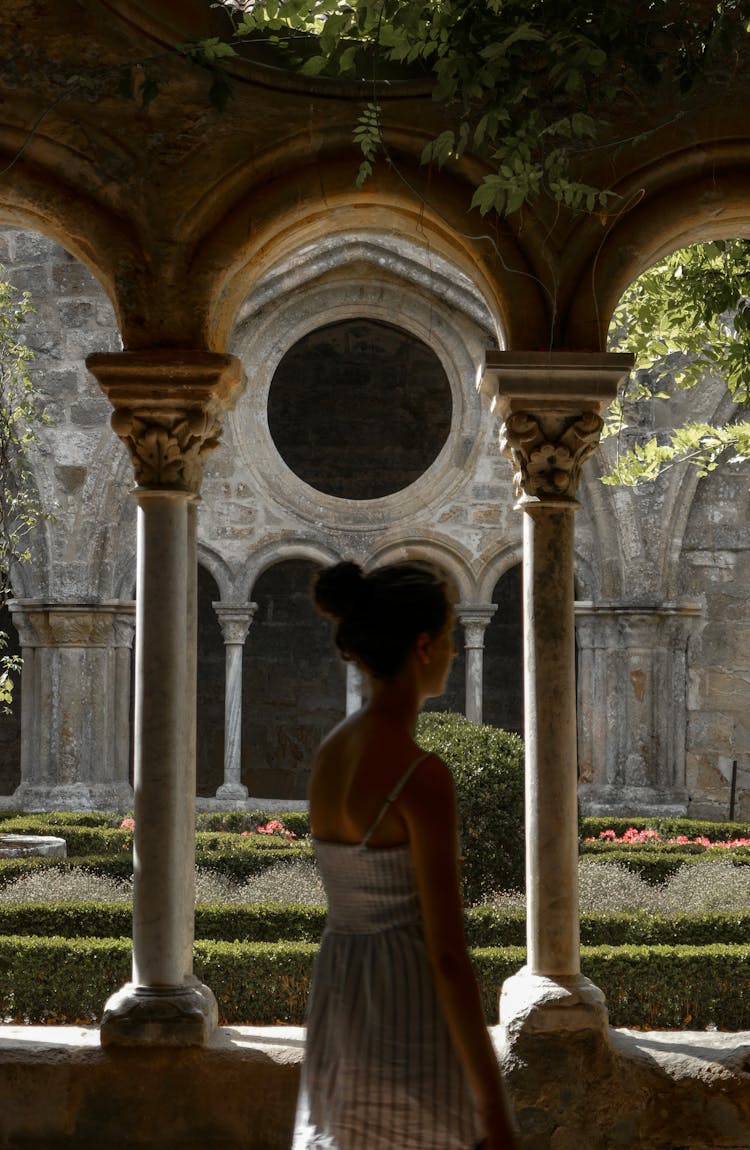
(398,700)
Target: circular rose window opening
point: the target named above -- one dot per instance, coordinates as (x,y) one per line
(359,409)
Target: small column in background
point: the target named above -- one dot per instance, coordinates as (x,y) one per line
(474,618)
(235,623)
(354,687)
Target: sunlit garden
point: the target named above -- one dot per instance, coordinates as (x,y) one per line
(665,905)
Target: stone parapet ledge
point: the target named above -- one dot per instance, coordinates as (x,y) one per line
(570,1090)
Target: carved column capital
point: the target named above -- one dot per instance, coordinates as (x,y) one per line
(44,624)
(550,404)
(169,405)
(548,451)
(474,618)
(234,621)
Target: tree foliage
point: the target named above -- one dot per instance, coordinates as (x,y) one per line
(686,319)
(521,83)
(20,415)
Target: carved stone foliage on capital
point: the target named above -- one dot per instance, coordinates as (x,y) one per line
(549,451)
(168,448)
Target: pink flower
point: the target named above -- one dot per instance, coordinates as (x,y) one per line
(275,827)
(127,825)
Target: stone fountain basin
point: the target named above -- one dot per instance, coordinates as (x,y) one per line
(29,846)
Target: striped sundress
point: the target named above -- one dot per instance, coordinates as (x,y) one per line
(380,1070)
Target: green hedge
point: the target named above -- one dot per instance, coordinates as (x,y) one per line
(60,980)
(668,827)
(271,922)
(99,834)
(487,766)
(662,849)
(80,839)
(669,988)
(659,987)
(73,818)
(257,923)
(486,926)
(656,866)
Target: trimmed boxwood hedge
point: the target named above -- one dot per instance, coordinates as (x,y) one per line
(487,764)
(272,922)
(89,834)
(656,866)
(79,839)
(55,980)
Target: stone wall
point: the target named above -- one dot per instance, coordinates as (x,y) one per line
(716,566)
(406,332)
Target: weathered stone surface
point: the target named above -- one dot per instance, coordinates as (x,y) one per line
(60,1089)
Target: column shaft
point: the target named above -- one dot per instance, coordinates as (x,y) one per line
(235,622)
(551,783)
(550,404)
(353,688)
(474,619)
(164,786)
(233,716)
(168,407)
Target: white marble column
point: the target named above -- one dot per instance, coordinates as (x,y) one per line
(550,405)
(168,407)
(474,618)
(235,623)
(354,688)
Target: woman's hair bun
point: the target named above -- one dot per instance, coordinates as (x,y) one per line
(337,589)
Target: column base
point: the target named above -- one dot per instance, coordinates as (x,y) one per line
(606,799)
(169,1016)
(73,797)
(537,1004)
(232,791)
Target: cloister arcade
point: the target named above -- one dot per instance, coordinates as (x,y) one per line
(220,242)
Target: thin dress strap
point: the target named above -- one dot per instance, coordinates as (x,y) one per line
(394,794)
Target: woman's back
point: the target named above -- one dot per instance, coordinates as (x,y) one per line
(356,768)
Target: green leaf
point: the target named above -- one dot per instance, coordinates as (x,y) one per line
(314,66)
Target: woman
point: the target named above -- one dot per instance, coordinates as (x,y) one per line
(398,1056)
